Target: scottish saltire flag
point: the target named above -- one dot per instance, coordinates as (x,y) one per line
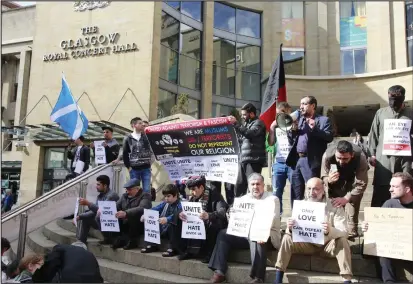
(68,114)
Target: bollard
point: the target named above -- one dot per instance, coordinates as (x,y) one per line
(22,235)
(116,179)
(82,194)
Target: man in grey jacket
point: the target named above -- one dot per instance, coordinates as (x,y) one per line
(91,218)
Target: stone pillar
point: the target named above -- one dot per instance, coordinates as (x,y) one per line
(23,87)
(312,62)
(379,55)
(333,34)
(156,53)
(323,28)
(31,173)
(398,32)
(207,58)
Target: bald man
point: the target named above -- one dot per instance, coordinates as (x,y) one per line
(335,236)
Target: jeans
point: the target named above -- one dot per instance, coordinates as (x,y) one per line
(280,173)
(144,176)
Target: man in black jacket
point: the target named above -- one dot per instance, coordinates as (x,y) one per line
(69,264)
(80,154)
(137,154)
(214,215)
(112,146)
(130,209)
(252,139)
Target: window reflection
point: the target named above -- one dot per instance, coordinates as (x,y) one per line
(190,42)
(192,9)
(248,58)
(224,52)
(224,17)
(293,62)
(409,31)
(173,4)
(220,110)
(168,68)
(166,100)
(223,81)
(248,23)
(193,108)
(189,72)
(248,86)
(170,31)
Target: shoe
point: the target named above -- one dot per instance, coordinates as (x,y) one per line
(184,256)
(256,280)
(131,245)
(205,259)
(217,278)
(347,281)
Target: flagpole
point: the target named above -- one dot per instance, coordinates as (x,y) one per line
(70,92)
(278,90)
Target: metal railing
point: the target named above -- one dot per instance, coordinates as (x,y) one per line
(82,179)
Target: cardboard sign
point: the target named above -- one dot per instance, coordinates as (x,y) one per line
(308,217)
(152,232)
(194,227)
(108,221)
(241,216)
(206,147)
(262,221)
(396,140)
(100,154)
(390,232)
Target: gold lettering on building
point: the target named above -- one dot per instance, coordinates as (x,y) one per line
(90,44)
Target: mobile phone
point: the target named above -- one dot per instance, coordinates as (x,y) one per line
(333,168)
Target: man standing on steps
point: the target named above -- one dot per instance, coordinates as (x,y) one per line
(401,191)
(253,154)
(91,218)
(335,236)
(137,154)
(344,172)
(78,155)
(309,142)
(111,145)
(385,165)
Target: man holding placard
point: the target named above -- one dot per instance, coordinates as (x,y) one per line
(344,171)
(130,209)
(390,143)
(254,223)
(91,218)
(109,146)
(168,211)
(310,233)
(80,157)
(401,191)
(213,215)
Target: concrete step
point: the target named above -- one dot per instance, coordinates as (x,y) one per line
(191,268)
(361,267)
(14,245)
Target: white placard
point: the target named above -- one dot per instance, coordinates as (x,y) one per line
(100,154)
(263,217)
(76,211)
(152,232)
(396,140)
(215,168)
(241,216)
(194,227)
(108,221)
(79,167)
(308,217)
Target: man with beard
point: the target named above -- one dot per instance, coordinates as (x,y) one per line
(335,233)
(344,172)
(309,142)
(386,165)
(111,145)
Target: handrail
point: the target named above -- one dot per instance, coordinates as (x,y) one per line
(19,210)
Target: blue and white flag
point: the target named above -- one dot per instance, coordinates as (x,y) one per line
(68,114)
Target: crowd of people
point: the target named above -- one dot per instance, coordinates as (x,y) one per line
(335,174)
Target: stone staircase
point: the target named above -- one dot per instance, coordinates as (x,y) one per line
(131,266)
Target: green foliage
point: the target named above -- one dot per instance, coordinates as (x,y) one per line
(181,105)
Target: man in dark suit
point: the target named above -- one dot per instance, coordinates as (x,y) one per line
(80,154)
(309,141)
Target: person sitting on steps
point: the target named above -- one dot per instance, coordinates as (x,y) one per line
(168,221)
